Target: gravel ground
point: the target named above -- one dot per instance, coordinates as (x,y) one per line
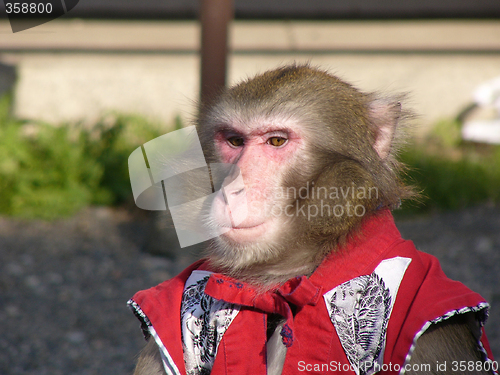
(64,285)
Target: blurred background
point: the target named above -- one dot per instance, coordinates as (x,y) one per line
(78,94)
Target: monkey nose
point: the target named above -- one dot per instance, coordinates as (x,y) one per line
(237,192)
(236,201)
(233,184)
(232,192)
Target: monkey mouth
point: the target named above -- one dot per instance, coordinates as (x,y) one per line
(248,227)
(244,233)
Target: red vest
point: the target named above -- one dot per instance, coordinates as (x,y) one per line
(361,311)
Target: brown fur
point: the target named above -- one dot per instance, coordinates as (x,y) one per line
(448,341)
(149,362)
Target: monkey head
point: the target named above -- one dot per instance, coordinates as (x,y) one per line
(316,157)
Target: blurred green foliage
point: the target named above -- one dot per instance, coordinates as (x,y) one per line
(451,173)
(448,133)
(48,172)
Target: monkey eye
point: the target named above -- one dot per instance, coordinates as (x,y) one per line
(276,141)
(235,141)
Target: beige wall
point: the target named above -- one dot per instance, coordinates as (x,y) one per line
(94,78)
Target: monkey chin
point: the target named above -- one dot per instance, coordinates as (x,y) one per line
(258,254)
(246,243)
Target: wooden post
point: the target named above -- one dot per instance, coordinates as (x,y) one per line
(215,16)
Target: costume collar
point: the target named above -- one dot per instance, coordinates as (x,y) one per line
(359,256)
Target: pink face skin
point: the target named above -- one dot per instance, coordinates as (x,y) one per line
(263,150)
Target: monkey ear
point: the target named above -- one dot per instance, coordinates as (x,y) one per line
(384,115)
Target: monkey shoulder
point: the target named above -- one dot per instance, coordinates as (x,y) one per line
(449,347)
(149,361)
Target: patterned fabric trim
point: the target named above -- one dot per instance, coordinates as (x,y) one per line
(204,321)
(482,307)
(145,323)
(360,310)
(148,330)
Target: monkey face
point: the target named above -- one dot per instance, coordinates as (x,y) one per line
(316,158)
(263,149)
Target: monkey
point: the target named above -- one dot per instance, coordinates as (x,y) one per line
(312,276)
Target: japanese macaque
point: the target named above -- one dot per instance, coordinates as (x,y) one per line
(317,158)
